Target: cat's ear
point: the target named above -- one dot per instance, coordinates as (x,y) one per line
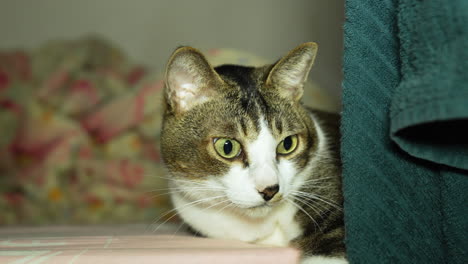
(190,80)
(290,73)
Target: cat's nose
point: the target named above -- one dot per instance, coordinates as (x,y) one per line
(269,192)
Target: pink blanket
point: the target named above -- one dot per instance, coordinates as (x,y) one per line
(128,244)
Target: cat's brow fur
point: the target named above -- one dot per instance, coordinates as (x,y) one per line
(231,101)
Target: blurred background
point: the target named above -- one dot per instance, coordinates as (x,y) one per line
(148,31)
(80,86)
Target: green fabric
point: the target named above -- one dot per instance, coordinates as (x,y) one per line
(398,208)
(429,113)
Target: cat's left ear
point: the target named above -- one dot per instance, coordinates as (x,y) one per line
(190,80)
(290,73)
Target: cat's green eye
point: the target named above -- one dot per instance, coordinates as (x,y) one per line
(227,147)
(287,146)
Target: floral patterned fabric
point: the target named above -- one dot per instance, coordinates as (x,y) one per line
(79,134)
(79,130)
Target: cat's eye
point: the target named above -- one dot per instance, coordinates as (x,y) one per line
(227,147)
(288,145)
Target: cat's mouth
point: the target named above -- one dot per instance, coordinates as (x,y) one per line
(263,205)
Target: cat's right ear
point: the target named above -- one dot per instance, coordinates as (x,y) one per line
(290,73)
(190,80)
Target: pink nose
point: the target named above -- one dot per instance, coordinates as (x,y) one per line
(269,192)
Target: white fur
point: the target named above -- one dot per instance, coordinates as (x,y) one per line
(185,88)
(186,93)
(323,260)
(322,139)
(262,158)
(277,229)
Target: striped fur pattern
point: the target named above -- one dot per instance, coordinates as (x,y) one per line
(276,177)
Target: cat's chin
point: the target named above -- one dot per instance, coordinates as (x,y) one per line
(257,211)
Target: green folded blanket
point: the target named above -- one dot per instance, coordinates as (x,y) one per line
(430,107)
(403,202)
(429,111)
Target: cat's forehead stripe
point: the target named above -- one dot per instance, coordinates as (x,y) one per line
(246,82)
(247,127)
(242,76)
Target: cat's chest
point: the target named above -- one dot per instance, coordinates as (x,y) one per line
(277,229)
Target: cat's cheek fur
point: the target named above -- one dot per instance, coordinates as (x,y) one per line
(197,191)
(287,171)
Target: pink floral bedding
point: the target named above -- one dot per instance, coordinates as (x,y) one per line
(79,136)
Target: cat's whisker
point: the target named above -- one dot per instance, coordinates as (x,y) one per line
(192,184)
(160,177)
(317,197)
(196,185)
(319,186)
(314,195)
(329,202)
(216,204)
(162,194)
(316,207)
(225,207)
(179,179)
(304,211)
(299,194)
(183,190)
(318,179)
(178,228)
(165,194)
(213,205)
(181,208)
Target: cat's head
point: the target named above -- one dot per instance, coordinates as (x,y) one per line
(237,137)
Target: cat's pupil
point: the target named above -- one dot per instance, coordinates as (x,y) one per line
(287,143)
(227,147)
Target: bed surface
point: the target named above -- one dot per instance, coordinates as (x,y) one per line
(128,244)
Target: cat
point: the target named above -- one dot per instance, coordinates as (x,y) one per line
(247,160)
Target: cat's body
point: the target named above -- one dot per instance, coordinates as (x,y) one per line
(247,160)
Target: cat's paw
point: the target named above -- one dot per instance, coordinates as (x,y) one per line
(323,260)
